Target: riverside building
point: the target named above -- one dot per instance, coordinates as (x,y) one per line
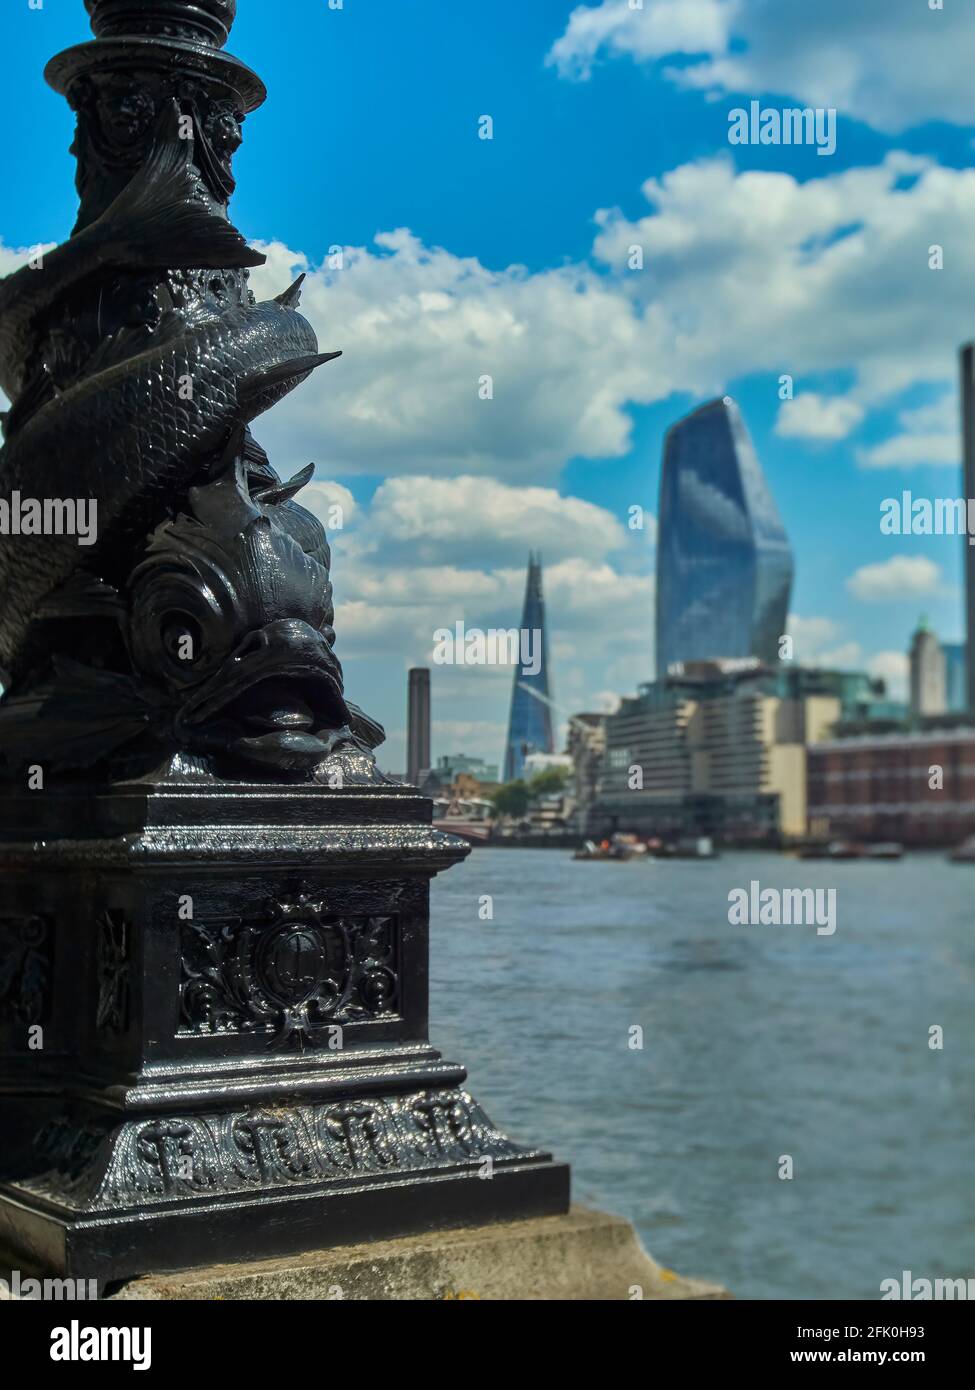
(719,748)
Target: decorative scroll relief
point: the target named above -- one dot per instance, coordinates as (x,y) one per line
(114,936)
(294,971)
(26,945)
(185,1156)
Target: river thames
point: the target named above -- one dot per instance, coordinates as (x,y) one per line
(758,1042)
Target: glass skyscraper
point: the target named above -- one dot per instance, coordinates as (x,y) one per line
(530,722)
(724,564)
(956,675)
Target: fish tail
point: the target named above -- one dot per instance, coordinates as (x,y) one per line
(158,218)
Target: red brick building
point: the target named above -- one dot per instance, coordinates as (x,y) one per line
(917,788)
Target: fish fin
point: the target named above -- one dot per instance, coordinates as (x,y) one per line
(252,388)
(275,493)
(158,218)
(291,297)
(233,449)
(36,393)
(367,730)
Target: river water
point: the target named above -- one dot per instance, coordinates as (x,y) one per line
(758,1042)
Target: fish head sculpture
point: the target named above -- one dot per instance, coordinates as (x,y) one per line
(230,613)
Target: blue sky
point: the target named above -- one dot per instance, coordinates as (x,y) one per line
(508,257)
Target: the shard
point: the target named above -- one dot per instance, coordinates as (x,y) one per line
(530,720)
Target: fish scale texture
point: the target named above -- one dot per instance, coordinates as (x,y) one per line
(127,437)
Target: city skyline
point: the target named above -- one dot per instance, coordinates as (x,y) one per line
(816,270)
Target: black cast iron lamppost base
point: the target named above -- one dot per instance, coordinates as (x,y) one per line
(213,909)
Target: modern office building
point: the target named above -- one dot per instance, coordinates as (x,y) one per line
(418,726)
(956,676)
(968,483)
(928,673)
(530,720)
(587,749)
(452,764)
(724,564)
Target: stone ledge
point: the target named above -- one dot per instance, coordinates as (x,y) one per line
(584,1255)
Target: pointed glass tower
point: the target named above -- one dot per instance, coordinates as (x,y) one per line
(724,564)
(530,722)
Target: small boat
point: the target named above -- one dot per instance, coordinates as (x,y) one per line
(475,831)
(694,847)
(965,852)
(844,849)
(884,849)
(817,850)
(619,849)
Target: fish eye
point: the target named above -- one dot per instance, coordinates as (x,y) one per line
(182,639)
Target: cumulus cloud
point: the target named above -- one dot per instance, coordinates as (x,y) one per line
(900,577)
(823,419)
(929,434)
(842,658)
(890,63)
(893,668)
(813,640)
(811,635)
(449,367)
(332,503)
(661,29)
(826,275)
(460,520)
(829,274)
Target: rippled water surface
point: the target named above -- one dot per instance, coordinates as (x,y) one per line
(758,1042)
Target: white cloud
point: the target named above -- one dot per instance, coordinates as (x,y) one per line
(323,498)
(893,668)
(826,275)
(13,257)
(460,519)
(891,63)
(811,635)
(606,702)
(662,28)
(841,658)
(900,577)
(420,329)
(910,450)
(812,638)
(463,735)
(929,434)
(820,418)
